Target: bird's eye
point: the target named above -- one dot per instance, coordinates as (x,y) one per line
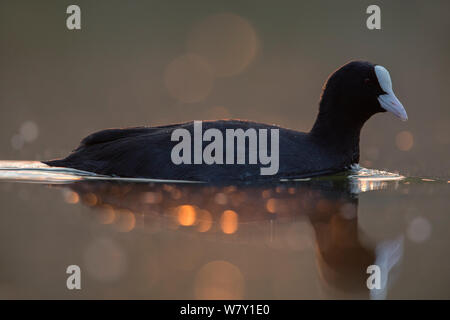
(367,81)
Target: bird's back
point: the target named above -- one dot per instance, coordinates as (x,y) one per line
(146,152)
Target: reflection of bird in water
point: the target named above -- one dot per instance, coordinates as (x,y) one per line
(233,213)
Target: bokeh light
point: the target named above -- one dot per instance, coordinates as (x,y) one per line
(186,215)
(221,198)
(404,140)
(219,280)
(125,220)
(90,199)
(271,205)
(419,230)
(71,196)
(227,41)
(106,214)
(229,221)
(152,197)
(189,78)
(29,131)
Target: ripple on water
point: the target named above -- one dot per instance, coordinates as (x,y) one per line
(361,179)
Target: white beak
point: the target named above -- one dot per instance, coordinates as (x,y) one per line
(389,101)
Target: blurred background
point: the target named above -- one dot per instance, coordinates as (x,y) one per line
(145,63)
(137,63)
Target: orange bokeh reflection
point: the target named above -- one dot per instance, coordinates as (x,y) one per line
(106,214)
(186,215)
(229,222)
(71,197)
(219,280)
(90,199)
(126,220)
(271,205)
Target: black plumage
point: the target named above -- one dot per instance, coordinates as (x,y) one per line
(348,100)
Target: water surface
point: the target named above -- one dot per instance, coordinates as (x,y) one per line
(139,238)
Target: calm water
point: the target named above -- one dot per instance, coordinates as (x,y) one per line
(312,238)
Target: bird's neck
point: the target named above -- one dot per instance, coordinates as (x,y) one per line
(337,131)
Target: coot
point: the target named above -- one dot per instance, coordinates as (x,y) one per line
(210,150)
